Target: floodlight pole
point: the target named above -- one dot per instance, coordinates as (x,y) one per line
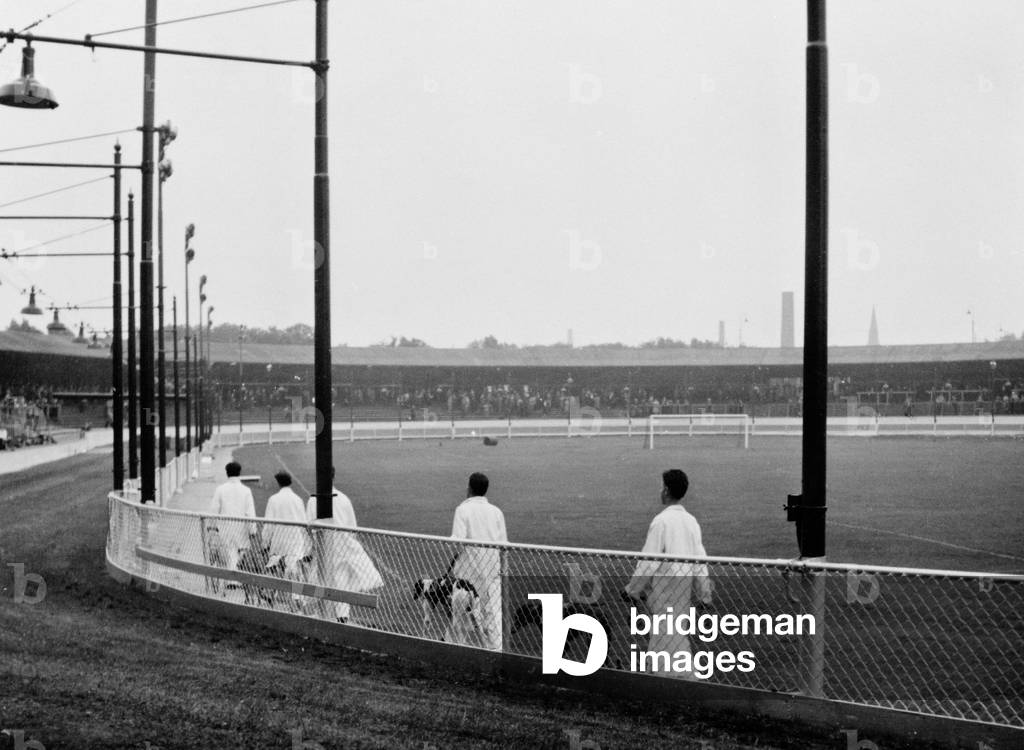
(117,373)
(322,278)
(188,361)
(133,398)
(161,363)
(146,353)
(177,386)
(811,526)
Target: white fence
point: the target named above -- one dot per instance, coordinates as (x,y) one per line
(936,643)
(169,479)
(589,423)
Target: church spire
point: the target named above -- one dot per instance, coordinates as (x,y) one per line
(873,330)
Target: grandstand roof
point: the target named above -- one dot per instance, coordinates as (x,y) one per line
(555,357)
(41,343)
(564,357)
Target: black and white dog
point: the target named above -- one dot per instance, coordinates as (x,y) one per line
(455,601)
(254,560)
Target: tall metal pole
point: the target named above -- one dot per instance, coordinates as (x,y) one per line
(177,415)
(201,385)
(161,357)
(116,356)
(201,397)
(148,484)
(198,395)
(188,369)
(811,521)
(209,324)
(133,398)
(241,387)
(322,277)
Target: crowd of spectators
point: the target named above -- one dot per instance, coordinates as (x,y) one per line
(521,400)
(25,413)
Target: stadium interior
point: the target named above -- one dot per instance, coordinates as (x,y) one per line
(49,382)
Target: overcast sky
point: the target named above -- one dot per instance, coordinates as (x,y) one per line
(624,169)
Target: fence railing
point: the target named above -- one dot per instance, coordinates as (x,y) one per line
(169,479)
(591,423)
(937,643)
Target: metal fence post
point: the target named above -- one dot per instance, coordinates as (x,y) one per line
(506,620)
(812,600)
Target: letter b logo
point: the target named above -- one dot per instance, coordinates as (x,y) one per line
(555,631)
(18,735)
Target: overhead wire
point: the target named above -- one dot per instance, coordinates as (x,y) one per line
(40,20)
(67,140)
(52,192)
(194,18)
(63,237)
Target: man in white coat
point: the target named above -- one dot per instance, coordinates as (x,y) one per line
(288,544)
(667,583)
(479,521)
(234,499)
(342,562)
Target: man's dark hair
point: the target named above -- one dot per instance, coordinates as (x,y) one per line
(676,482)
(233,469)
(284,479)
(478,484)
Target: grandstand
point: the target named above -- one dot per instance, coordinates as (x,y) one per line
(413,383)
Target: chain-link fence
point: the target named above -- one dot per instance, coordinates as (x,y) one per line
(939,643)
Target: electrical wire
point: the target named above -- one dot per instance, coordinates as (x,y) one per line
(67,140)
(63,237)
(40,20)
(51,192)
(193,18)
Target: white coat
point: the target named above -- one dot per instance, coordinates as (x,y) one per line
(668,583)
(234,499)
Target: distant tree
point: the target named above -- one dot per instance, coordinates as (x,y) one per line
(397,341)
(490,342)
(24,326)
(299,333)
(663,342)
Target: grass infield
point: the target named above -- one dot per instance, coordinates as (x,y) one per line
(912,502)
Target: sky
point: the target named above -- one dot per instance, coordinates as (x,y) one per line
(627,170)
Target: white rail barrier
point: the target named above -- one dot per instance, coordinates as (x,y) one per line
(591,424)
(936,643)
